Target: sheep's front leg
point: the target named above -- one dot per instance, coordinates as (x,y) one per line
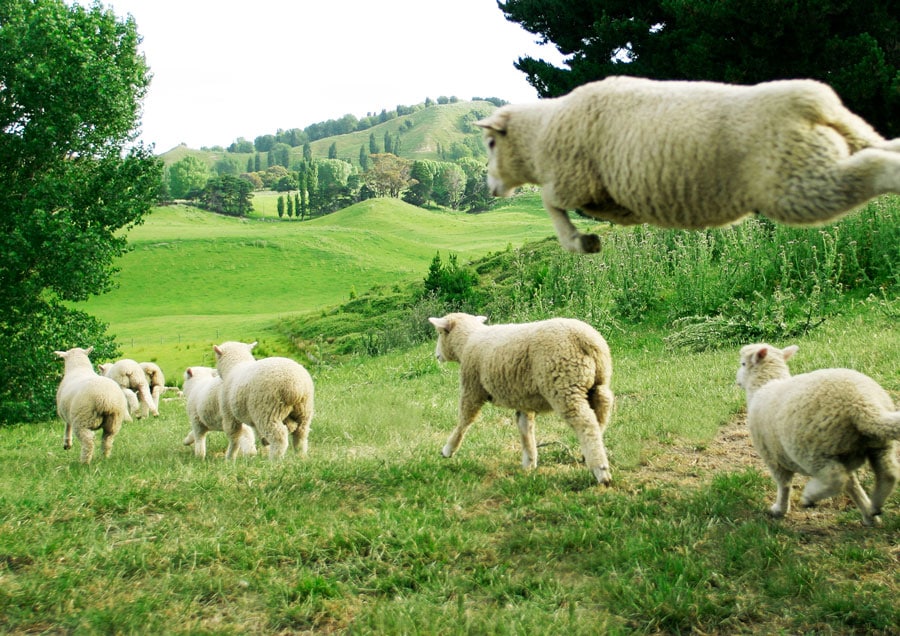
(861,499)
(783,479)
(468,411)
(569,237)
(529,445)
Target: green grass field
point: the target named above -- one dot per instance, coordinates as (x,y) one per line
(193,278)
(375,532)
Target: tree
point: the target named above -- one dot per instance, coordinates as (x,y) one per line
(187,175)
(307,152)
(227,195)
(852,46)
(280,206)
(477,195)
(449,185)
(373,145)
(72,184)
(332,150)
(388,142)
(422,174)
(363,159)
(389,175)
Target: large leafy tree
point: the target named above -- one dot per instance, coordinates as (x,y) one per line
(71,180)
(852,45)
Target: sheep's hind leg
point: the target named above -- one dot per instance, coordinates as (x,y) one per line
(861,499)
(884,465)
(782,504)
(277,434)
(529,445)
(583,421)
(822,194)
(86,437)
(569,236)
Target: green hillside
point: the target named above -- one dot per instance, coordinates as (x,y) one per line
(194,278)
(440,125)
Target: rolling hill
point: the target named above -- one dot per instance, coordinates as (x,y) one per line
(193,278)
(433,127)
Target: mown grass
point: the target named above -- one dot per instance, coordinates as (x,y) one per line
(376,533)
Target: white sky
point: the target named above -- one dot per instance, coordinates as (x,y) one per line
(223,70)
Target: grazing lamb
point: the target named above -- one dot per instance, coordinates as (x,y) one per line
(689,154)
(88,402)
(130,376)
(157,382)
(824,424)
(202,386)
(274,395)
(561,364)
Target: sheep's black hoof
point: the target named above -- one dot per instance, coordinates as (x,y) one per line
(590,243)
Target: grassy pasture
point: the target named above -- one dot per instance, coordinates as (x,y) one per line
(374,532)
(194,278)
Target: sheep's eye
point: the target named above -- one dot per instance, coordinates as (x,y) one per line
(491,143)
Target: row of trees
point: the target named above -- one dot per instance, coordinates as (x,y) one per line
(295,137)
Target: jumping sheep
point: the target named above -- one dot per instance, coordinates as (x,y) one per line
(274,395)
(156,380)
(561,364)
(689,155)
(202,386)
(87,402)
(824,424)
(129,375)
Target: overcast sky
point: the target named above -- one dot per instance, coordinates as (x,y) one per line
(223,70)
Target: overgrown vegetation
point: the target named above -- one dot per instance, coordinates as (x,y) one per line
(722,287)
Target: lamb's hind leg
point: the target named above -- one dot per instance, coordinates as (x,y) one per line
(569,237)
(525,422)
(887,472)
(583,420)
(826,189)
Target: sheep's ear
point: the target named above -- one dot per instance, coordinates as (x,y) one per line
(440,323)
(498,122)
(189,372)
(253,345)
(61,354)
(88,350)
(788,352)
(217,350)
(481,319)
(760,354)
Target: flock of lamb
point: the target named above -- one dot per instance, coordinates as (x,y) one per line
(629,150)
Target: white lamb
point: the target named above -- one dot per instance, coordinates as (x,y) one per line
(689,154)
(824,424)
(561,364)
(274,395)
(88,402)
(202,386)
(129,375)
(156,380)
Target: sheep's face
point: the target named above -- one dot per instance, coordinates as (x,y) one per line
(442,326)
(502,177)
(453,332)
(761,363)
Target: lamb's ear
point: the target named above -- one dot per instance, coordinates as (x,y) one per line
(760,354)
(788,352)
(498,122)
(253,345)
(440,323)
(89,350)
(61,354)
(217,350)
(481,319)
(189,372)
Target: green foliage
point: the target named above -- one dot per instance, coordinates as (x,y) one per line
(187,176)
(451,283)
(71,81)
(849,45)
(227,195)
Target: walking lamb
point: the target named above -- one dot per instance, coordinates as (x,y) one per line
(130,376)
(88,402)
(202,386)
(274,395)
(561,364)
(824,424)
(689,154)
